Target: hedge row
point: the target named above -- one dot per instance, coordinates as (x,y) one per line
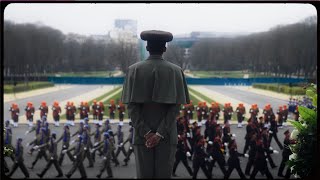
(296,90)
(20,87)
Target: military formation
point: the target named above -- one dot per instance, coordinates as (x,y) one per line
(215,148)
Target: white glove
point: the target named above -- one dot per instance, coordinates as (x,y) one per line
(210,142)
(178,136)
(275,152)
(270,148)
(229,113)
(246,155)
(202,113)
(188,111)
(64,146)
(35,147)
(234,135)
(114,112)
(32,114)
(237,110)
(210,110)
(51,158)
(121,144)
(85,148)
(225,144)
(104,157)
(26,133)
(72,141)
(130,148)
(188,154)
(75,157)
(180,111)
(210,158)
(198,108)
(123,113)
(243,115)
(270,132)
(69,108)
(102,112)
(188,134)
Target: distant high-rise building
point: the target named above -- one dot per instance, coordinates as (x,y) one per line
(127,25)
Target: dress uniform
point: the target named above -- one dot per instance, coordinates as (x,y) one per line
(121,148)
(190,109)
(105,147)
(96,139)
(100,108)
(226,112)
(87,145)
(205,111)
(250,128)
(43,109)
(29,113)
(112,109)
(233,161)
(7,139)
(37,130)
(79,131)
(216,152)
(260,163)
(68,112)
(56,111)
(106,126)
(121,110)
(65,138)
(230,112)
(112,144)
(285,155)
(184,111)
(73,113)
(78,156)
(252,152)
(130,140)
(14,109)
(181,154)
(280,117)
(18,152)
(53,157)
(267,114)
(40,140)
(154,89)
(86,122)
(266,145)
(199,159)
(199,112)
(82,110)
(214,111)
(94,110)
(87,110)
(296,113)
(241,111)
(274,131)
(254,110)
(226,133)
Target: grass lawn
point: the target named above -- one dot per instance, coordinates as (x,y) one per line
(22,87)
(224,74)
(282,88)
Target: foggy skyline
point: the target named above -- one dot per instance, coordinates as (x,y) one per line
(98,19)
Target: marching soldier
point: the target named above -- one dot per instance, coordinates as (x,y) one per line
(225,113)
(233,161)
(40,140)
(80,130)
(86,122)
(254,110)
(181,154)
(100,108)
(251,128)
(241,111)
(94,110)
(280,117)
(199,113)
(14,109)
(130,140)
(78,156)
(121,109)
(29,113)
(112,143)
(180,125)
(184,111)
(285,115)
(226,134)
(216,151)
(37,130)
(56,111)
(53,157)
(274,130)
(65,137)
(87,110)
(73,114)
(119,135)
(285,155)
(112,109)
(266,145)
(96,140)
(43,109)
(68,112)
(87,145)
(7,139)
(106,127)
(214,111)
(82,110)
(260,163)
(205,110)
(105,148)
(190,109)
(199,159)
(19,160)
(252,153)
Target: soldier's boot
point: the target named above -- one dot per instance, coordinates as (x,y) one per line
(59,175)
(40,175)
(125,163)
(109,177)
(68,175)
(98,176)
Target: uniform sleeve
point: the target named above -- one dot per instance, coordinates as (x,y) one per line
(127,88)
(166,124)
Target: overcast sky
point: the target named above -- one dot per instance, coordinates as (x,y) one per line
(180,18)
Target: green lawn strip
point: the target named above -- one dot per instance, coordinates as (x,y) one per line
(281,88)
(234,116)
(225,74)
(91,101)
(23,87)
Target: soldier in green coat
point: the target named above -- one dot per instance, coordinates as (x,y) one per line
(154,89)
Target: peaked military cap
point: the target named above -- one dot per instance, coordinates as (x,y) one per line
(156,35)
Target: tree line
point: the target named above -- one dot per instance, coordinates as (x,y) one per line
(37,49)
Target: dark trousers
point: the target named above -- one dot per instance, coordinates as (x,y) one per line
(156,162)
(221,164)
(130,151)
(114,158)
(22,167)
(106,166)
(56,165)
(263,168)
(61,157)
(101,117)
(93,154)
(238,168)
(197,164)
(6,169)
(41,153)
(282,166)
(240,119)
(111,115)
(199,118)
(121,149)
(249,165)
(270,160)
(78,164)
(88,156)
(56,118)
(246,146)
(274,134)
(181,157)
(95,117)
(121,116)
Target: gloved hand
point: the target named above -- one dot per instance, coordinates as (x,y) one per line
(188,154)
